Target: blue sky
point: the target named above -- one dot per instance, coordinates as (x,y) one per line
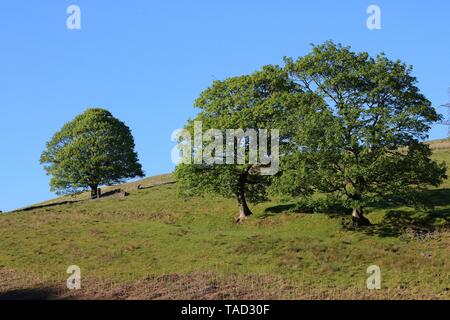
(147,61)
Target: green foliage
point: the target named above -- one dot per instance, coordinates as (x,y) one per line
(256,101)
(360,135)
(221,180)
(94,149)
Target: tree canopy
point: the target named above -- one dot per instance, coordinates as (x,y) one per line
(92,150)
(257,101)
(360,134)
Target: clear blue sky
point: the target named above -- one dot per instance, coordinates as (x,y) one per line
(146,61)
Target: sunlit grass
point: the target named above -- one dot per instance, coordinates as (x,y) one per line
(152,232)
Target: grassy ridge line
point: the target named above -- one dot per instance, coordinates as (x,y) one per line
(442,144)
(148,182)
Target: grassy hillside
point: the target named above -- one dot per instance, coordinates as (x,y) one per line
(151,244)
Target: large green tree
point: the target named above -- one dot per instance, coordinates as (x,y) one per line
(92,150)
(257,101)
(360,133)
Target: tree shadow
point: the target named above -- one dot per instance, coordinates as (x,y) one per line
(54,204)
(45,293)
(141,187)
(424,199)
(431,213)
(309,207)
(418,223)
(114,192)
(408,224)
(282,208)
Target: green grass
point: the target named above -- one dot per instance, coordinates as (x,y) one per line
(153,233)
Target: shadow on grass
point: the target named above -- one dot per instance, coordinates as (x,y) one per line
(46,293)
(141,187)
(418,223)
(282,208)
(48,205)
(407,223)
(330,208)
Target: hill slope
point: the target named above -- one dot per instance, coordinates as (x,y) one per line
(151,244)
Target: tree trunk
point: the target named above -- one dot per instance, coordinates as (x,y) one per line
(358,217)
(244,210)
(94,192)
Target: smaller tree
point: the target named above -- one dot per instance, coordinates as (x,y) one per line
(254,103)
(92,150)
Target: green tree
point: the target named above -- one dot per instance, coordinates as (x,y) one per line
(257,101)
(92,150)
(359,135)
